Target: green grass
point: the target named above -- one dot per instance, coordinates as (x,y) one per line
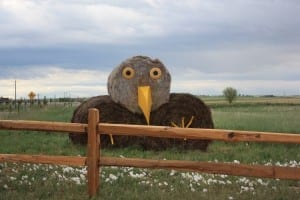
(273,118)
(216,101)
(56,182)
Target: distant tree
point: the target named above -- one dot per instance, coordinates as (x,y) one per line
(45,101)
(20,101)
(230,94)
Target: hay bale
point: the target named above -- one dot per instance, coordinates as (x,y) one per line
(180,105)
(110,112)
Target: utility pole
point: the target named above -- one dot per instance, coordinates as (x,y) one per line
(15,94)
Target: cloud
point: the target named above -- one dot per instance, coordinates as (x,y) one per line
(212,43)
(52,80)
(39,23)
(36,23)
(243,62)
(245,87)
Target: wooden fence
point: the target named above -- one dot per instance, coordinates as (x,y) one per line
(93,160)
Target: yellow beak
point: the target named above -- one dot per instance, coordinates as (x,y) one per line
(145,101)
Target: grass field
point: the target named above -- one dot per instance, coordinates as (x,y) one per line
(33,181)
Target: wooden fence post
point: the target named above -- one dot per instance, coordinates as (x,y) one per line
(93,154)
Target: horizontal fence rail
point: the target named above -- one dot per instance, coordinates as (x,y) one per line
(155,131)
(43,126)
(93,160)
(292,173)
(44,159)
(198,133)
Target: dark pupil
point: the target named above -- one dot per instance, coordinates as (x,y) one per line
(155,73)
(128,73)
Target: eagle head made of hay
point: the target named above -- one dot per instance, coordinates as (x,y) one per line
(139,93)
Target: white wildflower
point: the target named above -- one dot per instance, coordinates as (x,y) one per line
(145,182)
(137,175)
(120,174)
(82,177)
(268,164)
(35,167)
(204,190)
(76,180)
(244,189)
(142,182)
(260,181)
(68,169)
(293,163)
(5,186)
(113,177)
(197,177)
(251,184)
(223,176)
(236,162)
(209,181)
(243,180)
(172,173)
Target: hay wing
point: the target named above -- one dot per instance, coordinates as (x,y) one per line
(185,106)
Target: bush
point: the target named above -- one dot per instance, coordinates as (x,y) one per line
(230,94)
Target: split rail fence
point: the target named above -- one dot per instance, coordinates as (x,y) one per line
(94,161)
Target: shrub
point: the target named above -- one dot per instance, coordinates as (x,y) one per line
(230,94)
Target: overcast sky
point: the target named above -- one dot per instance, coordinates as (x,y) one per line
(70,46)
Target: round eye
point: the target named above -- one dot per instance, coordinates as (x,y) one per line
(155,73)
(128,72)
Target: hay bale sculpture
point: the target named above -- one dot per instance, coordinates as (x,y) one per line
(139,93)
